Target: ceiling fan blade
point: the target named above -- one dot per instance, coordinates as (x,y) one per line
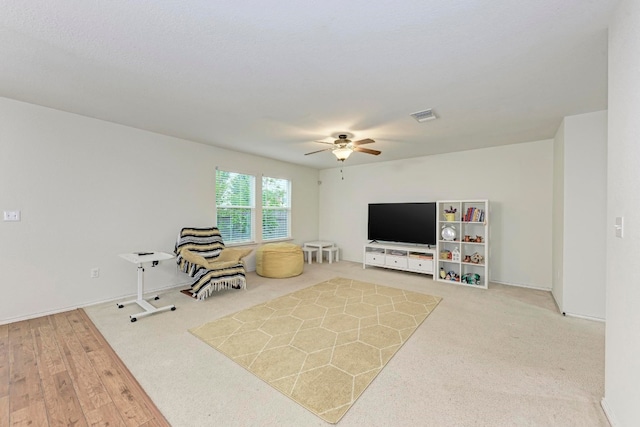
(363,141)
(324,142)
(367,150)
(319,151)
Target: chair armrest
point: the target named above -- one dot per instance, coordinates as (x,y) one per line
(194,258)
(221,265)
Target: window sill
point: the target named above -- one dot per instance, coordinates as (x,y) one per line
(253,243)
(284,239)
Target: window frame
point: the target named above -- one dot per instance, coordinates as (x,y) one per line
(251,207)
(286,209)
(256,208)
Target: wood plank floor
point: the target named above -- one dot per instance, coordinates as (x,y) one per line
(58,370)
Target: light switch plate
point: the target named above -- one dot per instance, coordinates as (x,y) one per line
(12,215)
(619,226)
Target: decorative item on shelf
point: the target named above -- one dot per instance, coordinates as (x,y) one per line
(455,255)
(467,258)
(471,278)
(443,273)
(450,214)
(453,276)
(478,239)
(448,233)
(476,258)
(467,238)
(445,254)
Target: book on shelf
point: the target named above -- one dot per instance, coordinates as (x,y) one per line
(469,214)
(474,214)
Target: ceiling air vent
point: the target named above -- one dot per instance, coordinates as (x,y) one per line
(423,116)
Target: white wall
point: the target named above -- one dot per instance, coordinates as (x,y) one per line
(580,197)
(89,190)
(517,179)
(622,355)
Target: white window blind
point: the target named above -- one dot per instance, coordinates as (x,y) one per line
(235,206)
(276,208)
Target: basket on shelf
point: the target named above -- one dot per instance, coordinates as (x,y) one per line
(450,216)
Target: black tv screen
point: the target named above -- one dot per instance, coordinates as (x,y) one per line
(403,222)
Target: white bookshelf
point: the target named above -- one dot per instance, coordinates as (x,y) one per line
(463,255)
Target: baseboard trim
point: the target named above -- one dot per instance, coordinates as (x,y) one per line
(608,412)
(520,285)
(134,296)
(580,316)
(88,304)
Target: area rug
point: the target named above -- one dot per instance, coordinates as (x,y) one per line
(322,345)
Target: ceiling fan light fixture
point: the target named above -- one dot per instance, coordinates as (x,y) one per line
(342,153)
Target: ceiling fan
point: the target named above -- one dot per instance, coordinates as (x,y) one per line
(343,147)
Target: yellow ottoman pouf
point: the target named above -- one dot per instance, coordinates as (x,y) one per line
(279,260)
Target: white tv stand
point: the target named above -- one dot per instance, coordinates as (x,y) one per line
(398,256)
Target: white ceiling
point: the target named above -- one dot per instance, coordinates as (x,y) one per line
(271,76)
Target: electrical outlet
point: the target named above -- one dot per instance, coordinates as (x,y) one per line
(12,215)
(95,273)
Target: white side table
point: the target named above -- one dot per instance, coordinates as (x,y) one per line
(320,244)
(309,251)
(330,251)
(142,258)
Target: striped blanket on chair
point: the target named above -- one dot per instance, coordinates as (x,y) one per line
(207,242)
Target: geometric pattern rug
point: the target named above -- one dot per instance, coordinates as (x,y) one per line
(322,345)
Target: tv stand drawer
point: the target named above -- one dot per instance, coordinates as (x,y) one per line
(374,258)
(421,265)
(396,261)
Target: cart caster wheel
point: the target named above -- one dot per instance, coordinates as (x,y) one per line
(133,319)
(120,305)
(156,298)
(173,309)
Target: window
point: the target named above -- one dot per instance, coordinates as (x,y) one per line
(276,208)
(235,206)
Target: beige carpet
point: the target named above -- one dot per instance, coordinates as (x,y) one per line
(323,345)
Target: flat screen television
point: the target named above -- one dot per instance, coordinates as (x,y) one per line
(402,222)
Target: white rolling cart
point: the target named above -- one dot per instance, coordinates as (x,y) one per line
(142,259)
